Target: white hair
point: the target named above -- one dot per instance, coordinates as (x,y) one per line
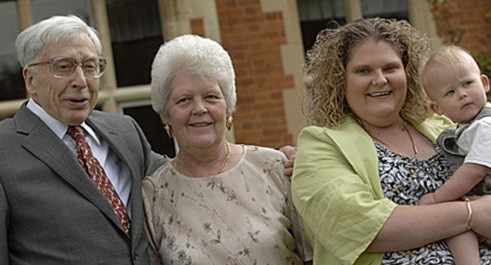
(198,55)
(32,41)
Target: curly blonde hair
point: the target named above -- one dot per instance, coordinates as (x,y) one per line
(326,67)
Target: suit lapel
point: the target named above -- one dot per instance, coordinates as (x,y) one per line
(48,148)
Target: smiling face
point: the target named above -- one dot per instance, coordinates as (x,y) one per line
(68,99)
(457,90)
(196,111)
(376,85)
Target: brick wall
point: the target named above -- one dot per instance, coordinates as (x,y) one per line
(464,23)
(253,39)
(198,26)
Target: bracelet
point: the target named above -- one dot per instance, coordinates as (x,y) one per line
(468,222)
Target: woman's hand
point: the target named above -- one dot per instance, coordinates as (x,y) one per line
(481,216)
(289,152)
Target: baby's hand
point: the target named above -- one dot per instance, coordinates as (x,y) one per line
(428,198)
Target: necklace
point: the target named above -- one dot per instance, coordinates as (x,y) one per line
(227,157)
(179,164)
(413,144)
(411,139)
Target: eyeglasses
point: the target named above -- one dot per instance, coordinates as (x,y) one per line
(62,67)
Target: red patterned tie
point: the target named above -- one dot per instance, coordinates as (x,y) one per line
(98,175)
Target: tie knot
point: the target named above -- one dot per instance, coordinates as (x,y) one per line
(76,132)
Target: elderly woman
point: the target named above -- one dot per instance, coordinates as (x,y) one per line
(369,154)
(216,202)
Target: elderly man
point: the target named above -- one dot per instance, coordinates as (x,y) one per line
(70,176)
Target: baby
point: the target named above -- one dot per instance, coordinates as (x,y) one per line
(457,89)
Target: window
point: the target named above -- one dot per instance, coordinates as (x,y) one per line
(316,15)
(151,126)
(42,9)
(397,9)
(136,36)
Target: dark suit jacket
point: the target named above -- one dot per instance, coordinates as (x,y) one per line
(50,212)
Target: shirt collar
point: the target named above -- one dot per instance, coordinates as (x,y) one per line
(58,127)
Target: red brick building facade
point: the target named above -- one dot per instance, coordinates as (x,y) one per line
(464,23)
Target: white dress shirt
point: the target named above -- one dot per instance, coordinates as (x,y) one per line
(116,170)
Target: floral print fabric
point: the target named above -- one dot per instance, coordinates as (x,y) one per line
(241,216)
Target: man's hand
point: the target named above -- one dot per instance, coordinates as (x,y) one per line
(290,152)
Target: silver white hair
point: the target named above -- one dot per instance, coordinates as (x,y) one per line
(198,55)
(32,41)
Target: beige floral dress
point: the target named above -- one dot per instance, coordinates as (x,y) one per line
(241,216)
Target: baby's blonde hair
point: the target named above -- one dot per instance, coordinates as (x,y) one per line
(450,55)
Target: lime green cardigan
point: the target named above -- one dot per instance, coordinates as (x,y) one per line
(336,189)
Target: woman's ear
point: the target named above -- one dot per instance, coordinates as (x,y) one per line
(167,127)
